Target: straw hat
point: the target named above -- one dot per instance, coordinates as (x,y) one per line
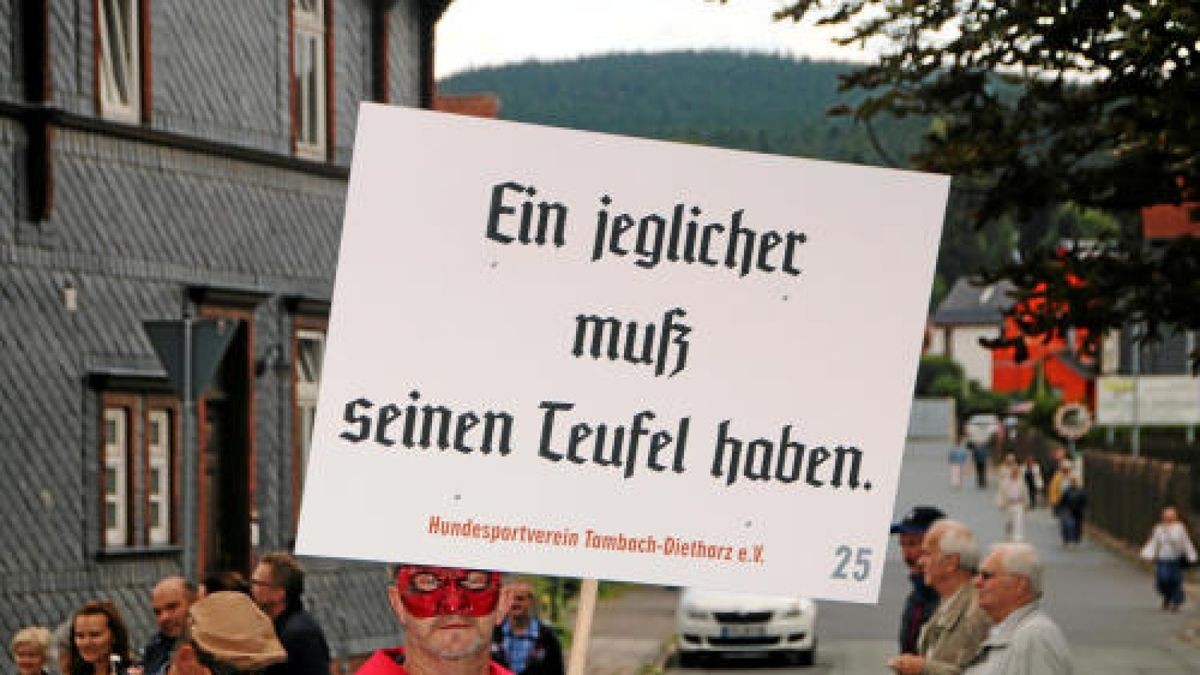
(230,627)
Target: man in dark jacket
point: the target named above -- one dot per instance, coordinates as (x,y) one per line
(170,600)
(922,601)
(523,644)
(276,586)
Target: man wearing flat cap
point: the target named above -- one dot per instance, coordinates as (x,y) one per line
(923,599)
(226,634)
(448,614)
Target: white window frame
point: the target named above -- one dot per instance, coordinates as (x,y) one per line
(119,31)
(159,453)
(310,77)
(308,383)
(115,478)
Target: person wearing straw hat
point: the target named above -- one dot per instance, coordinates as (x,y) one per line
(448,614)
(226,634)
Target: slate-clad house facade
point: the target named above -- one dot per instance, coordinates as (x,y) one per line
(161,159)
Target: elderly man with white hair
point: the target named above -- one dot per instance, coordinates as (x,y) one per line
(1024,641)
(951,637)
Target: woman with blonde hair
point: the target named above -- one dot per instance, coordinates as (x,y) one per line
(31,650)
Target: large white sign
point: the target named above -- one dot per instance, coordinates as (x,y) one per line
(1148,400)
(585,355)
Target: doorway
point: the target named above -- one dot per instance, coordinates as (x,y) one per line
(225,462)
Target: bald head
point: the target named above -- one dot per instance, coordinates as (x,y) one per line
(170,599)
(520,596)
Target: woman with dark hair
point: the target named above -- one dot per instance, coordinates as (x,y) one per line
(99,640)
(227,580)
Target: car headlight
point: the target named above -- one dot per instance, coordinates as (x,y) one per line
(695,614)
(800,608)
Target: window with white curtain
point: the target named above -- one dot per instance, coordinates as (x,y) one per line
(310,350)
(138,469)
(119,64)
(158,476)
(116,476)
(309,76)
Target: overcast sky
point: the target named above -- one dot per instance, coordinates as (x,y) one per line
(476,33)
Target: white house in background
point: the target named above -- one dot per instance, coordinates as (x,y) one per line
(967,314)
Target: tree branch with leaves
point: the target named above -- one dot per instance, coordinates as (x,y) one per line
(1038,103)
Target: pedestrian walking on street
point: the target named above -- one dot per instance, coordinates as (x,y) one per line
(1171,549)
(951,637)
(979,453)
(958,460)
(1025,640)
(1033,479)
(1062,473)
(1011,497)
(922,600)
(1071,509)
(1067,498)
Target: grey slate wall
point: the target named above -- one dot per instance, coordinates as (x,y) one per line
(170,213)
(220,71)
(404,55)
(133,224)
(10,77)
(70,47)
(353,77)
(12,138)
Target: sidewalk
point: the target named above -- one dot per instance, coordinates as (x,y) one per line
(1101,597)
(632,631)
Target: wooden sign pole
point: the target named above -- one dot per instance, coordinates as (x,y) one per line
(584,613)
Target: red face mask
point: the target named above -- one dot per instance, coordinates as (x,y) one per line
(441,591)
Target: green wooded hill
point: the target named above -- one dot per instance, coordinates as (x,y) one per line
(754,102)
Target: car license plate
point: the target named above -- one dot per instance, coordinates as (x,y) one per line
(742,631)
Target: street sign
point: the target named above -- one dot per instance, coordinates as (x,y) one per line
(1148,400)
(210,338)
(1072,421)
(575,354)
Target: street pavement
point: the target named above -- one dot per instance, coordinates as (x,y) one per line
(1103,601)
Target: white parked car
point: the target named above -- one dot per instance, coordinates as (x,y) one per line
(720,622)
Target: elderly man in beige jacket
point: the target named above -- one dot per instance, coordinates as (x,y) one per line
(949,558)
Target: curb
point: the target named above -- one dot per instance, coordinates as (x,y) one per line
(665,650)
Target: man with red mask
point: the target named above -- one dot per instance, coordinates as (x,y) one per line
(448,614)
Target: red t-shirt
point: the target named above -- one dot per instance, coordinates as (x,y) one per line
(390,661)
